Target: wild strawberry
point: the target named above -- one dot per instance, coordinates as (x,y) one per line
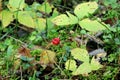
(56,41)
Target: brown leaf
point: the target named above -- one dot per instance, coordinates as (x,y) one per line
(24,51)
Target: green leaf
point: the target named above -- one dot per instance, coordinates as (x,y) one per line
(9,51)
(6,18)
(26,19)
(80,54)
(63,19)
(70,65)
(85,9)
(15,5)
(40,24)
(84,68)
(25,58)
(55,13)
(95,65)
(35,5)
(73,19)
(92,25)
(108,2)
(45,7)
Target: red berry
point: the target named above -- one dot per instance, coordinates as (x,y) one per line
(56,41)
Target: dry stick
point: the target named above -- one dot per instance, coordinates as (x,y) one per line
(4,35)
(21,72)
(60,69)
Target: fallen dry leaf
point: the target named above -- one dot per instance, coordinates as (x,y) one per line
(47,58)
(24,51)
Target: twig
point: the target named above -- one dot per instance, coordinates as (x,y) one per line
(21,72)
(17,40)
(4,35)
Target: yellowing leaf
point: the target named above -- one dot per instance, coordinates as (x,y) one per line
(70,65)
(45,7)
(84,68)
(95,65)
(91,25)
(40,24)
(26,19)
(63,19)
(85,9)
(15,5)
(6,18)
(47,58)
(17,63)
(80,54)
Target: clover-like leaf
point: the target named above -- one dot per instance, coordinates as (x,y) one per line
(26,19)
(80,54)
(92,25)
(84,68)
(85,9)
(40,24)
(63,19)
(73,19)
(95,65)
(15,5)
(6,18)
(45,7)
(70,65)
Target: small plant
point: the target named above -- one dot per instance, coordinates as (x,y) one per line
(82,12)
(19,11)
(85,67)
(38,43)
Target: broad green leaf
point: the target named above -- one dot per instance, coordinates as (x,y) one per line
(45,7)
(6,18)
(85,9)
(55,13)
(49,23)
(40,24)
(15,5)
(35,5)
(80,54)
(49,20)
(26,19)
(92,25)
(84,68)
(95,65)
(63,19)
(73,19)
(70,65)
